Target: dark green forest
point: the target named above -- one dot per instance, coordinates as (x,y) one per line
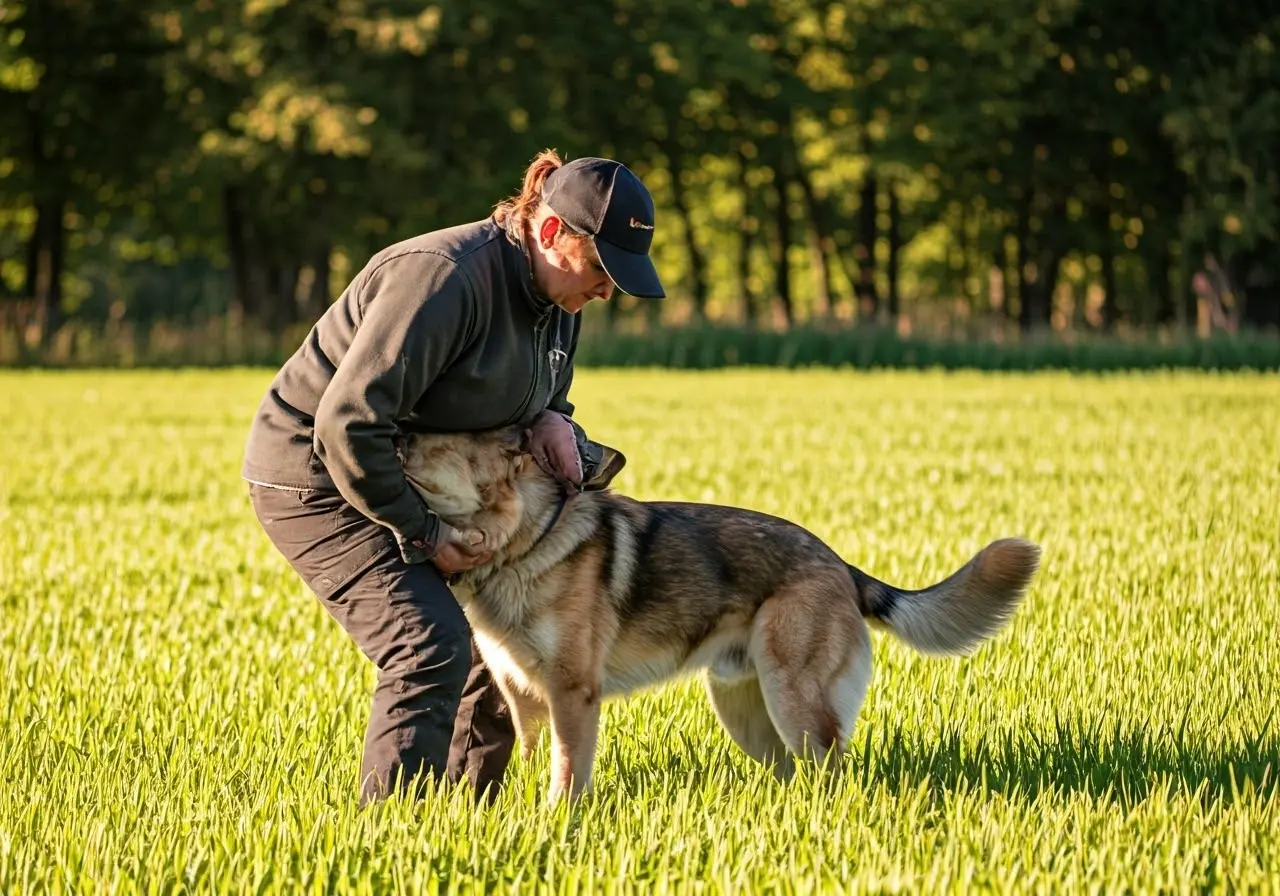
(207,175)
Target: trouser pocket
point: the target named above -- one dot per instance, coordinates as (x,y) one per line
(327,541)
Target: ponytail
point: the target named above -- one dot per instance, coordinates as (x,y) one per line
(515,210)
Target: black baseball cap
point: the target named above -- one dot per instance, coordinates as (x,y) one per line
(606,201)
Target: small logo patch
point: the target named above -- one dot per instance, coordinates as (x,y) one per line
(640,225)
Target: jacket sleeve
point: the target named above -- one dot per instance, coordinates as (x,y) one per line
(417,314)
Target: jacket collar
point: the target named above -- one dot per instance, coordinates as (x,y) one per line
(517,255)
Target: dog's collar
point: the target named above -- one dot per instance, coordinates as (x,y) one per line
(555,518)
(456,577)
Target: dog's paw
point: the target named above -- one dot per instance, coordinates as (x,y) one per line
(474,539)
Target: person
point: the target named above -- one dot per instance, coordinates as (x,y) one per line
(461,329)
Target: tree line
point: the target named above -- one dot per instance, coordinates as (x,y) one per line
(1041,163)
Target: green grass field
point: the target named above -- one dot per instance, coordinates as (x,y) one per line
(180,715)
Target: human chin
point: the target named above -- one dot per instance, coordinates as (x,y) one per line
(570,302)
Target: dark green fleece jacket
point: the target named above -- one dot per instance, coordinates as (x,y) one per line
(443,332)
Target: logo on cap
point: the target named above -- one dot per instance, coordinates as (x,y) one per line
(640,225)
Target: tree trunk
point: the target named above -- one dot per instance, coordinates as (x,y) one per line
(849,267)
(1022,236)
(865,251)
(43,285)
(745,242)
(1185,296)
(1160,275)
(895,249)
(653,315)
(1029,312)
(237,253)
(819,240)
(1050,287)
(967,252)
(279,294)
(697,265)
(1048,257)
(1108,310)
(290,293)
(1000,262)
(44,266)
(1047,284)
(782,242)
(318,297)
(260,307)
(1008,272)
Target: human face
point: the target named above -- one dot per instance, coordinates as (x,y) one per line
(567,268)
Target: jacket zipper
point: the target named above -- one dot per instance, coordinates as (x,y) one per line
(540,357)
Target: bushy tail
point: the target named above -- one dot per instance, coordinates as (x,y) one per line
(959,613)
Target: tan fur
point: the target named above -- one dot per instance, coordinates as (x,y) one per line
(604,595)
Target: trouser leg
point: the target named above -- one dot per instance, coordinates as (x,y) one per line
(434,711)
(483,735)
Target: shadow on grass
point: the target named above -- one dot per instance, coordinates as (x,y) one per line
(1114,764)
(1109,763)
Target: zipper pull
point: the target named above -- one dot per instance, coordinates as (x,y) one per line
(556,356)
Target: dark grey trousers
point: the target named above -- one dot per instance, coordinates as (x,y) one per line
(436,709)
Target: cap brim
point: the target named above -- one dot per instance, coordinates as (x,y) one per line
(633,272)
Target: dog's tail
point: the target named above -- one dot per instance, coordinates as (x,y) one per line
(959,613)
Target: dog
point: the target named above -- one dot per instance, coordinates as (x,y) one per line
(593,595)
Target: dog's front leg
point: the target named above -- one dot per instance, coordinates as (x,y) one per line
(575,722)
(527,713)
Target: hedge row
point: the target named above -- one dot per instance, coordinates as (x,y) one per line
(708,347)
(713,347)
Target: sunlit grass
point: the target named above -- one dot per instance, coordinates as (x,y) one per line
(180,714)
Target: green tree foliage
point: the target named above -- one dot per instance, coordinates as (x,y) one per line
(1045,163)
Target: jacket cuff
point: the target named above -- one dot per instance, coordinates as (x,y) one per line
(413,551)
(420,547)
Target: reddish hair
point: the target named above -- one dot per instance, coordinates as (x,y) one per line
(519,208)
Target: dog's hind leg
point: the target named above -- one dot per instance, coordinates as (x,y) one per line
(812,652)
(740,707)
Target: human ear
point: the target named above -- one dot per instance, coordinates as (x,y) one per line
(548,231)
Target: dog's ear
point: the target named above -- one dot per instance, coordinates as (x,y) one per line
(600,464)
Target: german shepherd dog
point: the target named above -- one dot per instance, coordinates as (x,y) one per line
(595,595)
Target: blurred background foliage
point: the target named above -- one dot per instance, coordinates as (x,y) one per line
(198,180)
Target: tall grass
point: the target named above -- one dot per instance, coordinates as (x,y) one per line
(180,715)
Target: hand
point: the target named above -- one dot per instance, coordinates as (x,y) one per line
(554,445)
(460,550)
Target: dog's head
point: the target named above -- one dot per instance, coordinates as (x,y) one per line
(483,480)
(464,476)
